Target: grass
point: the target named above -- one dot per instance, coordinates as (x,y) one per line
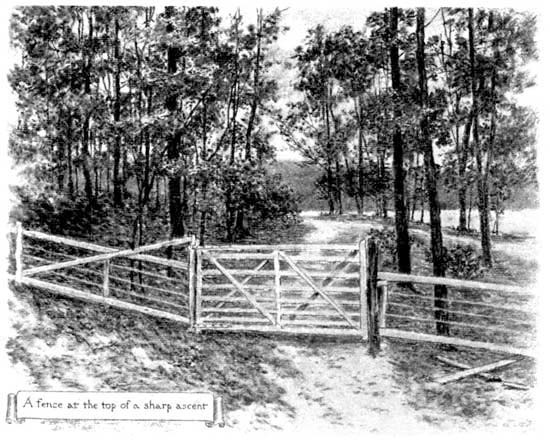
(70,345)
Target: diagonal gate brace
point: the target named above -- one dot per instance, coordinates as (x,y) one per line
(313,285)
(105,256)
(239,287)
(330,280)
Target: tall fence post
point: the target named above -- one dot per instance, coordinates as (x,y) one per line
(373,306)
(191,281)
(198,286)
(382,302)
(277,270)
(106,270)
(18,252)
(363,277)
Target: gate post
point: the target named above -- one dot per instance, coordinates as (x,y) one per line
(277,270)
(363,278)
(373,305)
(198,287)
(191,283)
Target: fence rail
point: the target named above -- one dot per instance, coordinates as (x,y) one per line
(325,289)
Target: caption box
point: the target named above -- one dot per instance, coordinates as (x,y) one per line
(181,406)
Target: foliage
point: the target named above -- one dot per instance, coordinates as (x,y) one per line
(461,261)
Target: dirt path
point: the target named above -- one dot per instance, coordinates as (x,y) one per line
(340,386)
(326,230)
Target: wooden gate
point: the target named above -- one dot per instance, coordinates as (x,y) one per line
(291,288)
(297,289)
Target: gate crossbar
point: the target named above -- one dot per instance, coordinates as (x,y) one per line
(239,287)
(313,285)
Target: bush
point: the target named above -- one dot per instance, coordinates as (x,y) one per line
(461,261)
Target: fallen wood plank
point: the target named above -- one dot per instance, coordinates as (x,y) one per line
(474,371)
(431,338)
(489,377)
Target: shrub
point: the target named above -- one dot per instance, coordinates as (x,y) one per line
(461,261)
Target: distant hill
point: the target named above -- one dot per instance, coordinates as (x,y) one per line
(301,177)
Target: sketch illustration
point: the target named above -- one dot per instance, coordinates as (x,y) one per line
(326,218)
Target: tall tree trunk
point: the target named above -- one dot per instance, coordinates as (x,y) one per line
(256,86)
(462,182)
(69,137)
(482,191)
(173,141)
(85,152)
(117,187)
(401,224)
(360,161)
(438,252)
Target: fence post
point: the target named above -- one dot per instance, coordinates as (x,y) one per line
(191,283)
(363,312)
(18,252)
(373,306)
(198,286)
(106,269)
(382,302)
(277,270)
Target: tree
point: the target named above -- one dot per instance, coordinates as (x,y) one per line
(436,242)
(401,223)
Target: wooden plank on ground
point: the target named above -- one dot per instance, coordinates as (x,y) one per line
(311,283)
(239,287)
(474,371)
(484,375)
(430,338)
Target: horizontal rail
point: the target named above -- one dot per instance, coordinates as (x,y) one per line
(106,256)
(81,295)
(465,302)
(456,283)
(101,249)
(343,332)
(430,338)
(299,258)
(456,323)
(289,247)
(270,273)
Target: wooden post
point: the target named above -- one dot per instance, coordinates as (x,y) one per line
(363,320)
(382,302)
(198,286)
(372,298)
(18,252)
(191,281)
(106,268)
(277,269)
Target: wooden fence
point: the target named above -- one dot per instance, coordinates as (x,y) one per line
(294,289)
